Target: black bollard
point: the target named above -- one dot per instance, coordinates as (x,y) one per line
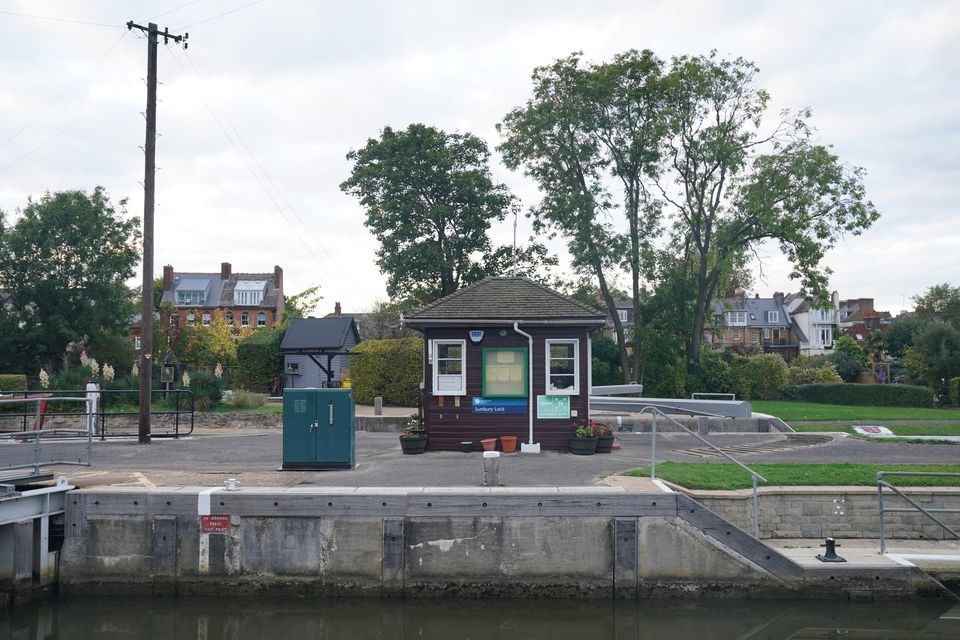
(831,554)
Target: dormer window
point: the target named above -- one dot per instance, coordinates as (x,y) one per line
(192,291)
(249,292)
(773,316)
(191,297)
(736,317)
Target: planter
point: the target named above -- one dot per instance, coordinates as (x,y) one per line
(413,446)
(605,443)
(508,444)
(583,446)
(489,444)
(466,447)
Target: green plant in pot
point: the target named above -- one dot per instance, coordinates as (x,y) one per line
(604,435)
(583,442)
(413,440)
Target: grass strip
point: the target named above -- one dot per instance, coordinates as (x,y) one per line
(725,476)
(789,411)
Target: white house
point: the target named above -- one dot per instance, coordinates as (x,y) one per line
(815,327)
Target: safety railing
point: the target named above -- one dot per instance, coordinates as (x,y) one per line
(39,433)
(881,484)
(653,459)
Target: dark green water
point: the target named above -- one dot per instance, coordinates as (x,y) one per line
(73,618)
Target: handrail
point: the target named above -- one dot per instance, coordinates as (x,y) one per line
(653,460)
(881,483)
(36,434)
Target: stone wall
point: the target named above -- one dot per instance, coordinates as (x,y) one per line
(812,512)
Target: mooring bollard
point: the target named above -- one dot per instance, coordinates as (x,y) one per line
(831,553)
(378,406)
(491,468)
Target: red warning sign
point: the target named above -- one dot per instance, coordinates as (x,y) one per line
(214,524)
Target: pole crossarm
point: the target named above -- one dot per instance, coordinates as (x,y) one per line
(167,36)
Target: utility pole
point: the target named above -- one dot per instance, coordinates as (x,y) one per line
(149,175)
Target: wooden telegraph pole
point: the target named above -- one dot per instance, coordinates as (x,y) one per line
(149,174)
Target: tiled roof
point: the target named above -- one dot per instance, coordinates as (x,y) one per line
(506,299)
(317,333)
(220,291)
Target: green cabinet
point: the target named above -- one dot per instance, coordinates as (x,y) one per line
(318,429)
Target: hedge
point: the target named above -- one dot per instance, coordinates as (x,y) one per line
(878,395)
(13,382)
(391,369)
(258,360)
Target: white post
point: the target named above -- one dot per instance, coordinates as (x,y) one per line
(530,446)
(93,396)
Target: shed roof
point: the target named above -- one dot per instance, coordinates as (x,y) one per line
(505,299)
(316,334)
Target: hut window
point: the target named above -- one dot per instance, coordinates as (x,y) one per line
(449,366)
(505,372)
(563,367)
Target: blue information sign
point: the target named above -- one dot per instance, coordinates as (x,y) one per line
(499,406)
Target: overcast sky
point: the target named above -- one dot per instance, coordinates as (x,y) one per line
(257,116)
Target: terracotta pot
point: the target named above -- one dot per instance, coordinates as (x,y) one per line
(412,446)
(489,444)
(583,446)
(508,443)
(605,443)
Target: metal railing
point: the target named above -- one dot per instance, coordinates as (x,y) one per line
(881,483)
(697,395)
(37,433)
(653,460)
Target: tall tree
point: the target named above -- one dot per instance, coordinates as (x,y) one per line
(430,200)
(63,267)
(301,305)
(732,187)
(585,129)
(939,302)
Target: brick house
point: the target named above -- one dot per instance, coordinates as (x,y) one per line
(753,325)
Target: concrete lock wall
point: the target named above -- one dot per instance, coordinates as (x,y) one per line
(488,542)
(837,513)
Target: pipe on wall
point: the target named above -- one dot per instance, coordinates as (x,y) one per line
(516,328)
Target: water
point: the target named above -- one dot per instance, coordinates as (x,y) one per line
(240,618)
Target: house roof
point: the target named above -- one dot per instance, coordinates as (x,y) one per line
(317,334)
(220,291)
(756,310)
(505,299)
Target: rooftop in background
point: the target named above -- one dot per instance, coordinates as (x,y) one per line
(505,299)
(309,334)
(200,290)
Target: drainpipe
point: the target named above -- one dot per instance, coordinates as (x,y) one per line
(530,446)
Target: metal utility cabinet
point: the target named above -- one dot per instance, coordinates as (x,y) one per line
(318,429)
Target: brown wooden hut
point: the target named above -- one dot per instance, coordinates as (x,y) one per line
(503,356)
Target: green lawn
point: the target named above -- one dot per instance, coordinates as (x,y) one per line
(917,429)
(791,411)
(730,476)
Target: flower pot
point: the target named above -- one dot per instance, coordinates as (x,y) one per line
(583,446)
(489,444)
(412,446)
(605,443)
(466,447)
(508,444)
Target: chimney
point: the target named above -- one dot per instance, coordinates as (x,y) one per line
(337,310)
(278,277)
(225,270)
(167,277)
(778,296)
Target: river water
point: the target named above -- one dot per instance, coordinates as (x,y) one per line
(240,618)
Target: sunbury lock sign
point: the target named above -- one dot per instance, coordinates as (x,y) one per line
(499,406)
(553,407)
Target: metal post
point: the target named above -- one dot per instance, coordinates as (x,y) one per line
(756,509)
(653,448)
(36,439)
(883,542)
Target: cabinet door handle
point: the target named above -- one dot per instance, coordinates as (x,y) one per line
(331,414)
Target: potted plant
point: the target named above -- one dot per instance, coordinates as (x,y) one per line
(413,440)
(583,442)
(604,436)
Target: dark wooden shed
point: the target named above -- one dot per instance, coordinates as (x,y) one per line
(505,356)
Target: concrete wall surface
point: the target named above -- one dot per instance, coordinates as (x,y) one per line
(837,512)
(540,542)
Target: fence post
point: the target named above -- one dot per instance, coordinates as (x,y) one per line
(653,448)
(93,395)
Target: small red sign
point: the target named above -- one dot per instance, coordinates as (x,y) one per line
(214,524)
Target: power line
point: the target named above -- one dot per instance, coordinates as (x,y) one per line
(219,15)
(86,73)
(169,11)
(55,19)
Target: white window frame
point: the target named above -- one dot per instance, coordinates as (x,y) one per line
(828,332)
(575,391)
(736,335)
(229,318)
(773,316)
(434,372)
(737,318)
(261,319)
(244,319)
(137,341)
(205,319)
(293,368)
(622,315)
(755,338)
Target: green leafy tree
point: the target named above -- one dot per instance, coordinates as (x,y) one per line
(63,267)
(899,336)
(207,346)
(938,345)
(585,129)
(849,358)
(731,187)
(939,303)
(430,201)
(301,305)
